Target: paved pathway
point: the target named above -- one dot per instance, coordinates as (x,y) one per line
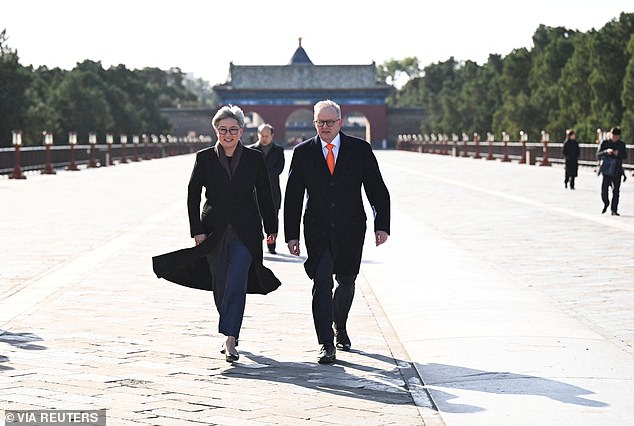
(84,323)
(519,304)
(509,296)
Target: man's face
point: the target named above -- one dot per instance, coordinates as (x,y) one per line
(615,137)
(228,133)
(322,120)
(265,136)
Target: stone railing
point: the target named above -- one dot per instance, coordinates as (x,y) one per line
(14,162)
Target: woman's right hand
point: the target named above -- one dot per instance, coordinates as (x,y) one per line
(199,238)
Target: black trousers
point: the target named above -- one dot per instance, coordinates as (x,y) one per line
(329,309)
(615,183)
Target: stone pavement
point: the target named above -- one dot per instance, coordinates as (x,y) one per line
(519,304)
(85,324)
(509,296)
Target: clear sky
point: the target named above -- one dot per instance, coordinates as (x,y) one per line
(202,37)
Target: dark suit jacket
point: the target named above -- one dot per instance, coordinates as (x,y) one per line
(274,164)
(619,146)
(334,216)
(228,201)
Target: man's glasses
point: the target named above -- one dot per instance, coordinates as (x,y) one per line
(329,123)
(232,131)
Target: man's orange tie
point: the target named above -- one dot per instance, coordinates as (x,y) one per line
(330,158)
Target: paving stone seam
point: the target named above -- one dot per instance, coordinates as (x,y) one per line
(416,387)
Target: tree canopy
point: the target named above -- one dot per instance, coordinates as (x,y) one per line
(568,79)
(88,98)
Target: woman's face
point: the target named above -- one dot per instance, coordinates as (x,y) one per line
(228,133)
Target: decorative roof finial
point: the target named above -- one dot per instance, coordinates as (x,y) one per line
(300,42)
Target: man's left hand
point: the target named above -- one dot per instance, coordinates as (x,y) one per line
(380,237)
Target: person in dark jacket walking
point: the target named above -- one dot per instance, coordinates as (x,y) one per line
(238,198)
(611,152)
(571,154)
(274,158)
(330,168)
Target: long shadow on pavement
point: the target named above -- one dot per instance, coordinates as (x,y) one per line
(492,382)
(506,383)
(18,340)
(377,385)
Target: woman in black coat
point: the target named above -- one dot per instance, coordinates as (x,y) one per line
(237,191)
(571,154)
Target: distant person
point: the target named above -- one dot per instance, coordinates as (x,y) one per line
(274,159)
(330,168)
(571,155)
(612,153)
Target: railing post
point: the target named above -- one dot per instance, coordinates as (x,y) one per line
(476,140)
(72,141)
(523,139)
(443,144)
(92,141)
(454,144)
(465,139)
(506,138)
(17,169)
(490,139)
(157,151)
(135,142)
(545,138)
(145,153)
(124,141)
(109,142)
(48,141)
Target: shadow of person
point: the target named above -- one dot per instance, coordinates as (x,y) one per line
(377,385)
(498,382)
(4,367)
(456,377)
(21,340)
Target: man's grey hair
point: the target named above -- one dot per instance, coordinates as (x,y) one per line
(228,111)
(327,104)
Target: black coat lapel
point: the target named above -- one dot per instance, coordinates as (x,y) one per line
(318,156)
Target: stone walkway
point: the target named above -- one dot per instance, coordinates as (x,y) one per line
(500,298)
(84,323)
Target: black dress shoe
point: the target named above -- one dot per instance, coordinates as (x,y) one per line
(615,214)
(343,341)
(605,208)
(327,354)
(229,357)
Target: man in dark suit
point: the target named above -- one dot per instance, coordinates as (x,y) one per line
(331,167)
(612,149)
(274,158)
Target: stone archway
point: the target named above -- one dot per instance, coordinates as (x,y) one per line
(357,124)
(278,116)
(299,126)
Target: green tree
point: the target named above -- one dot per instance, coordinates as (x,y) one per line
(608,62)
(13,83)
(81,101)
(627,96)
(574,93)
(552,49)
(516,112)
